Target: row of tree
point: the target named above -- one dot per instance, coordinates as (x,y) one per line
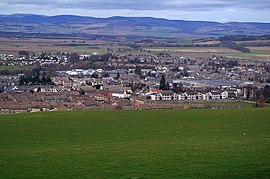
(255,44)
(254,94)
(34,80)
(244,37)
(235,46)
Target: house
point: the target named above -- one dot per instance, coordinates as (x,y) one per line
(207,96)
(193,95)
(219,95)
(4,110)
(216,95)
(182,97)
(100,97)
(168,96)
(158,95)
(263,77)
(120,94)
(225,95)
(89,103)
(45,89)
(98,84)
(232,93)
(155,96)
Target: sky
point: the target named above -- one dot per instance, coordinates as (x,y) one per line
(205,10)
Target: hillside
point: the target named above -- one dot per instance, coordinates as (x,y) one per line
(231,143)
(125,26)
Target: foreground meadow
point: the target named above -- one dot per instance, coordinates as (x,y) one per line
(233,143)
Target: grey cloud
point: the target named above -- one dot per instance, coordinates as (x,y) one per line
(183,5)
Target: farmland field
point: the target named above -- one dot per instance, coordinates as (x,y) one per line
(209,51)
(260,50)
(32,45)
(194,49)
(49,45)
(233,143)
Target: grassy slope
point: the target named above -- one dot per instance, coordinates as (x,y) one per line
(129,144)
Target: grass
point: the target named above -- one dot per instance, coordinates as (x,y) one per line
(193,49)
(16,67)
(231,143)
(209,51)
(225,103)
(262,52)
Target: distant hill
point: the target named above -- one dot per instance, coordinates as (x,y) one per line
(132,26)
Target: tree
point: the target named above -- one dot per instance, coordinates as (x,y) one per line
(95,75)
(162,84)
(43,80)
(178,90)
(138,70)
(266,93)
(42,55)
(261,101)
(117,76)
(74,58)
(35,79)
(51,107)
(36,72)
(134,86)
(248,92)
(49,81)
(24,53)
(185,73)
(39,89)
(82,92)
(106,75)
(22,80)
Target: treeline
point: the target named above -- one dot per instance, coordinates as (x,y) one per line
(255,44)
(266,93)
(35,79)
(30,80)
(23,53)
(254,93)
(57,35)
(234,46)
(244,37)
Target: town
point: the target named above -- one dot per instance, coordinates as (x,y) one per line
(125,80)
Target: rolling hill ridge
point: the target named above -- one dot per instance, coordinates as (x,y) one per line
(126,26)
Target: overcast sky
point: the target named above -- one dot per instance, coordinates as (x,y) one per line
(214,10)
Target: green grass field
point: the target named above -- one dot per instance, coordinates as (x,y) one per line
(209,51)
(264,52)
(191,49)
(231,143)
